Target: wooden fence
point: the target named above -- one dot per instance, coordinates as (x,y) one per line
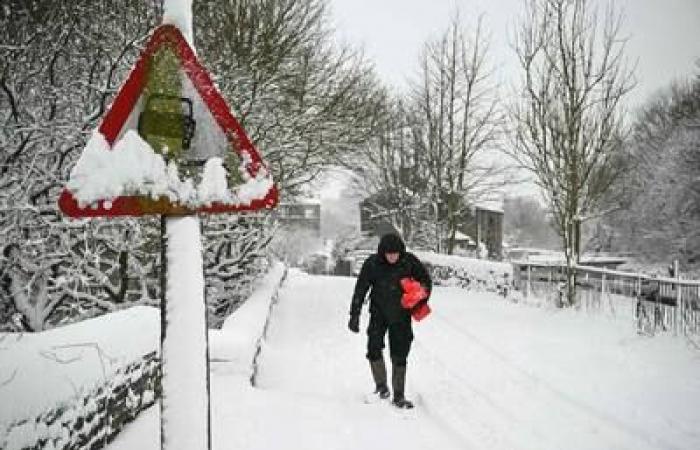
(658,304)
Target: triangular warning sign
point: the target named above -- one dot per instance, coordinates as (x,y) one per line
(183,118)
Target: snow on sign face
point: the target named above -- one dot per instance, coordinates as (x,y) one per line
(168,145)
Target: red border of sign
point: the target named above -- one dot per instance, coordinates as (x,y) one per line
(123,105)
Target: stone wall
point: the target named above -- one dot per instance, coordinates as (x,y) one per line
(95,417)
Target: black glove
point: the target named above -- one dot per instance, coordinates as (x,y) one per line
(354,323)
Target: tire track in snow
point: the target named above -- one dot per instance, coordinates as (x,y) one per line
(466,410)
(533,390)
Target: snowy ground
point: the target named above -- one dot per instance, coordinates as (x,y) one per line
(485,374)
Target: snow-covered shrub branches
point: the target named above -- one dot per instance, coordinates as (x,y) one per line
(302,100)
(59,64)
(235,255)
(658,197)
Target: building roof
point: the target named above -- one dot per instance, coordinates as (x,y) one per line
(464,237)
(494,206)
(302,201)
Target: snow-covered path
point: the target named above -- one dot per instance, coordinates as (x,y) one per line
(311,356)
(486,374)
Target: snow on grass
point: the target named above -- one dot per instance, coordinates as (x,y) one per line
(40,370)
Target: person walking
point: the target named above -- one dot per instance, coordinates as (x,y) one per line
(383,272)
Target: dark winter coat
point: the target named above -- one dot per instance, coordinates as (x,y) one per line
(384,280)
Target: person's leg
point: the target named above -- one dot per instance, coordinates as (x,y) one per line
(375,345)
(400,338)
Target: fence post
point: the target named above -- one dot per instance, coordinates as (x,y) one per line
(679,299)
(602,286)
(527,289)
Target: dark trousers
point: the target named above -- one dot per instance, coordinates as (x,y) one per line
(400,338)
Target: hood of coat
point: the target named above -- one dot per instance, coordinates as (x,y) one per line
(391,243)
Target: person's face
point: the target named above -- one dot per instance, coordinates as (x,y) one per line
(392,257)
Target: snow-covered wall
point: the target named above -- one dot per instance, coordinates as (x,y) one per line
(78,385)
(238,342)
(93,419)
(50,381)
(41,370)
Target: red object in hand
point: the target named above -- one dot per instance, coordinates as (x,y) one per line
(420,312)
(413,295)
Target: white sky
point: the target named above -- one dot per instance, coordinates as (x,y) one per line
(664,35)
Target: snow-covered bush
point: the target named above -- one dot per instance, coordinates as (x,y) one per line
(60,66)
(468,273)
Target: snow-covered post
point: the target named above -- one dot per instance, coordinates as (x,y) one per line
(185,417)
(185,414)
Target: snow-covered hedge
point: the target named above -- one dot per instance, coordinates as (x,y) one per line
(468,273)
(93,419)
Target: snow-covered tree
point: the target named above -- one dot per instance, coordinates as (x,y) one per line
(658,198)
(387,170)
(421,167)
(568,120)
(457,118)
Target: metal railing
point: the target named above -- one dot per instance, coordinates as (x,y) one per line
(658,304)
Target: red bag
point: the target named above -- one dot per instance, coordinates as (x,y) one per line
(413,294)
(420,312)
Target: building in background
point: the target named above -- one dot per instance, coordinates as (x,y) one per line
(486,226)
(303,215)
(483,223)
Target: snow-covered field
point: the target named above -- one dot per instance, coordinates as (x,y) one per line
(485,374)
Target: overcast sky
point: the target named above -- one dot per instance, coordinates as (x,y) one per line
(663,40)
(664,35)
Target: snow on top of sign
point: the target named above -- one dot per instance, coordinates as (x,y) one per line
(132,167)
(179,13)
(214,187)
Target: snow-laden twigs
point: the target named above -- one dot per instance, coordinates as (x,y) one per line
(9,379)
(54,357)
(101,354)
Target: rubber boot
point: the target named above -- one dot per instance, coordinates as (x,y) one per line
(398,381)
(379,375)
